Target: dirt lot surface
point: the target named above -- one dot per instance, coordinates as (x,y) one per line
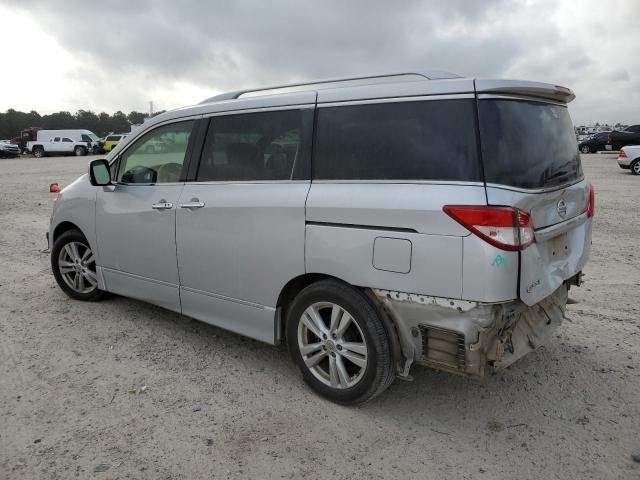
(121,389)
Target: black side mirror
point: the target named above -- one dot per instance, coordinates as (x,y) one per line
(99,173)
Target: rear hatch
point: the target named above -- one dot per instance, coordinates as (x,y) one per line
(531,162)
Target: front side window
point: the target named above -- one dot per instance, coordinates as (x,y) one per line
(158,156)
(68,140)
(256,146)
(413,140)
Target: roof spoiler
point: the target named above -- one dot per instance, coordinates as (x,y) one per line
(521,87)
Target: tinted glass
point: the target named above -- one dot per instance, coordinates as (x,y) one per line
(112,138)
(528,144)
(158,156)
(601,137)
(257,146)
(65,139)
(424,140)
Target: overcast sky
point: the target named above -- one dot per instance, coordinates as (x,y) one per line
(119,55)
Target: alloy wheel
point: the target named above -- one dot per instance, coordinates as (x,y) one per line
(78,267)
(332,345)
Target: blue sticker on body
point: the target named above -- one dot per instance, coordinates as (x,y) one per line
(499,261)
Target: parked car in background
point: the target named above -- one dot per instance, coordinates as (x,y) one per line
(8,149)
(79,142)
(629,158)
(111,141)
(620,138)
(595,143)
(377,256)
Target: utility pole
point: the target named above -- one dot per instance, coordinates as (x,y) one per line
(151,108)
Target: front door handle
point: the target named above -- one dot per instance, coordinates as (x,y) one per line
(194,203)
(162,205)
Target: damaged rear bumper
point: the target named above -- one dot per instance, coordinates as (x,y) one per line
(468,337)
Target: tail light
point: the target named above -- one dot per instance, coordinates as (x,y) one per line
(55,188)
(591,206)
(609,139)
(506,228)
(622,154)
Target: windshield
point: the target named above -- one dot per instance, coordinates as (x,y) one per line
(528,144)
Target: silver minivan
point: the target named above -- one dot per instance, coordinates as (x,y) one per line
(371,223)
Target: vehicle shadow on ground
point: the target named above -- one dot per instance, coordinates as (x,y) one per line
(544,375)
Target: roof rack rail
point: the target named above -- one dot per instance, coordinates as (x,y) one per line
(430,75)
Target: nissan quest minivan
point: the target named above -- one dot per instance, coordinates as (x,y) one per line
(371,223)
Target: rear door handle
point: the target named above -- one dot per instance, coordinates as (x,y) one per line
(192,204)
(162,205)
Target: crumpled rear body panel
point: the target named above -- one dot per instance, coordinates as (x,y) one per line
(467,337)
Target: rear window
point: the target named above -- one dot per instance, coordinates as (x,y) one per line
(528,144)
(417,140)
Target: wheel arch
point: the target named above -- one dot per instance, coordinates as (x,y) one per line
(65,227)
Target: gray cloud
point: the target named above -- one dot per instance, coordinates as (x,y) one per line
(129,48)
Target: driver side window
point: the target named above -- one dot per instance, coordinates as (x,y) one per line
(158,156)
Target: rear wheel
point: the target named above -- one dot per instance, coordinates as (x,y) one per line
(635,167)
(585,149)
(339,342)
(80,151)
(74,266)
(38,152)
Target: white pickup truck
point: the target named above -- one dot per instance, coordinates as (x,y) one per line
(52,142)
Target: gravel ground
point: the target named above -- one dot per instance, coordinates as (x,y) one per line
(121,389)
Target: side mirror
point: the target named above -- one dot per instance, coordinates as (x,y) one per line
(99,173)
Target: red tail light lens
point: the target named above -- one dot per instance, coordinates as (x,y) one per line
(591,206)
(54,188)
(622,154)
(609,139)
(506,228)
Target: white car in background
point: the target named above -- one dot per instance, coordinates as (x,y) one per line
(629,158)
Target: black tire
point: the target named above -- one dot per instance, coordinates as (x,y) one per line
(379,371)
(635,167)
(80,151)
(67,238)
(585,149)
(38,152)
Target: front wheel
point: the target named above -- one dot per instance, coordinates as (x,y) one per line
(339,342)
(585,149)
(74,266)
(80,151)
(635,167)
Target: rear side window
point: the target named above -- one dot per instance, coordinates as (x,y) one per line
(421,140)
(528,144)
(271,145)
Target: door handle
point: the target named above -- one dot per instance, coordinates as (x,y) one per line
(195,203)
(162,205)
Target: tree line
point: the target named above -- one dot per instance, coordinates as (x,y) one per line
(12,122)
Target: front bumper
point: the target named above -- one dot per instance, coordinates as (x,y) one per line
(468,337)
